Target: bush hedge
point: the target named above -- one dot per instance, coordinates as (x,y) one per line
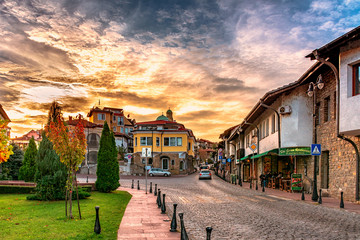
(16,189)
(83,193)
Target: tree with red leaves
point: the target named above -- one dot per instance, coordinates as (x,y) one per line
(70,145)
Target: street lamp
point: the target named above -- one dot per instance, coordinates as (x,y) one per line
(311,92)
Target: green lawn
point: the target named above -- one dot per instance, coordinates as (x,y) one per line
(23,219)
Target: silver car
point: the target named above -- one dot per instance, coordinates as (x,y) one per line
(204,174)
(159,172)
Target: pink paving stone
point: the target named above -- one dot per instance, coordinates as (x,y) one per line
(143,219)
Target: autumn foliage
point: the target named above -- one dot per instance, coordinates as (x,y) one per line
(5,148)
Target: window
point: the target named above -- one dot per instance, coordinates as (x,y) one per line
(114,118)
(114,129)
(172,141)
(189,146)
(131,129)
(135,141)
(317,114)
(121,129)
(326,109)
(120,121)
(356,80)
(145,141)
(173,162)
(267,127)
(150,161)
(273,123)
(101,116)
(157,141)
(181,165)
(126,130)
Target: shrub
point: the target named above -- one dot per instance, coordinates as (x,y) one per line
(108,167)
(16,189)
(83,193)
(27,171)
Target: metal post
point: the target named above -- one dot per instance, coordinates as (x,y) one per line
(320,199)
(97,228)
(314,196)
(132,184)
(146,159)
(163,207)
(159,198)
(342,200)
(302,194)
(208,233)
(138,187)
(173,224)
(150,191)
(155,192)
(183,235)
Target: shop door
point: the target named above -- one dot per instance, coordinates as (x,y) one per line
(246,172)
(325,169)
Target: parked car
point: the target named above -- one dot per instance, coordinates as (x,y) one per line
(204,167)
(159,172)
(204,174)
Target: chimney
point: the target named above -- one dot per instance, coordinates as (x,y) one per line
(70,118)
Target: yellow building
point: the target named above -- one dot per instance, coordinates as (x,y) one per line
(171,143)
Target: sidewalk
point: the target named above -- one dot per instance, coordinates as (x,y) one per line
(143,220)
(326,201)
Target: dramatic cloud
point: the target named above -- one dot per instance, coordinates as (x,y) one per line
(209,61)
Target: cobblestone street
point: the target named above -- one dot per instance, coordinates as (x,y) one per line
(240,213)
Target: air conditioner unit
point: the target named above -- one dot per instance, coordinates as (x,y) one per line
(285,110)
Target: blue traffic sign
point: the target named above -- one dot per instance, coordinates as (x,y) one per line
(220,157)
(315,149)
(223,161)
(229,160)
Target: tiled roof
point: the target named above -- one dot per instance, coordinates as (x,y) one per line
(84,122)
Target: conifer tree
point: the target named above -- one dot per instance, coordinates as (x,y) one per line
(10,169)
(50,174)
(107,166)
(27,171)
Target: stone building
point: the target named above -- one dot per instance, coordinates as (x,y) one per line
(172,146)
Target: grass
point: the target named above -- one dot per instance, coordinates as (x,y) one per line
(24,219)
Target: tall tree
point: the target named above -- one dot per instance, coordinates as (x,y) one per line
(50,174)
(54,113)
(5,148)
(10,169)
(108,166)
(28,169)
(70,145)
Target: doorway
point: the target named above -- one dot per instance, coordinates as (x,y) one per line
(165,163)
(324,170)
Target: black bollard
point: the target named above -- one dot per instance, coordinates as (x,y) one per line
(150,187)
(97,228)
(163,207)
(302,194)
(183,235)
(155,192)
(208,233)
(138,185)
(132,184)
(342,200)
(159,198)
(263,187)
(250,184)
(173,224)
(240,182)
(256,185)
(320,199)
(87,179)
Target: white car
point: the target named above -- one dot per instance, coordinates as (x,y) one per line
(159,172)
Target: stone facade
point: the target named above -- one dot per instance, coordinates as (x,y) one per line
(341,156)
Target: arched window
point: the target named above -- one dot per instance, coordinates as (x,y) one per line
(92,157)
(173,162)
(93,140)
(181,165)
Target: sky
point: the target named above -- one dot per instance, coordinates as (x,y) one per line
(208,61)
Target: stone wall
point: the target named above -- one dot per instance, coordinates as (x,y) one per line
(342,158)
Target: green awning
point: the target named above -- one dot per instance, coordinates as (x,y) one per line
(271,152)
(244,158)
(295,151)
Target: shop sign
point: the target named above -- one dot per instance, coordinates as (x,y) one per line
(295,151)
(296,182)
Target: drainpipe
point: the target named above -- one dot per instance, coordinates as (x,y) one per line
(337,78)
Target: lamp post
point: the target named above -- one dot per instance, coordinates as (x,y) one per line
(258,147)
(311,92)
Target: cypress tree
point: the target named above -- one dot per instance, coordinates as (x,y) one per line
(50,173)
(10,169)
(27,171)
(107,166)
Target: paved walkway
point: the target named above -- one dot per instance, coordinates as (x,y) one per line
(143,219)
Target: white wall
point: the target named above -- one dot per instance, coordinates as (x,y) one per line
(349,115)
